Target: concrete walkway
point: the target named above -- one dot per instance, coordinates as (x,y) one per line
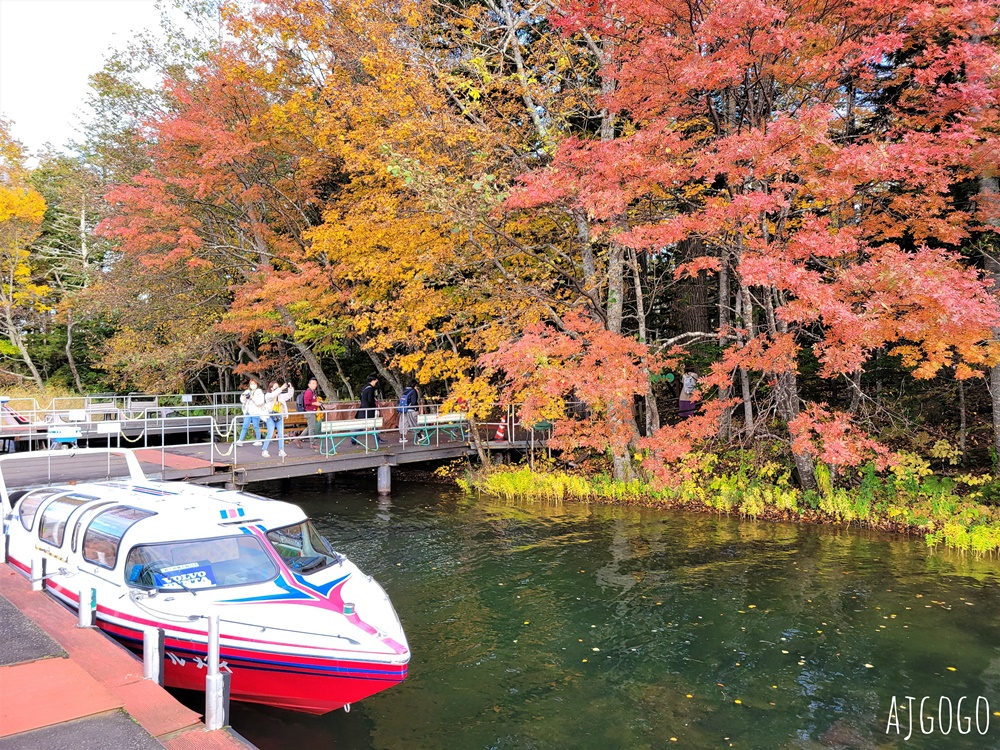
(64,687)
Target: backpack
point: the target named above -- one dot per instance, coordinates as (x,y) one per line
(300,401)
(404,401)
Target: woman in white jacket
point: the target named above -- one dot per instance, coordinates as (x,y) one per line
(276,405)
(254,408)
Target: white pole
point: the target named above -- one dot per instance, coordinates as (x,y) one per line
(38,574)
(213,644)
(87,608)
(152,655)
(216,685)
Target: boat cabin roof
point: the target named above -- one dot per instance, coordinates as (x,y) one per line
(177,512)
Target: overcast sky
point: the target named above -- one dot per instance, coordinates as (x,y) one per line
(47,50)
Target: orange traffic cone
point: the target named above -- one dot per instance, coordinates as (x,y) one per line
(501,433)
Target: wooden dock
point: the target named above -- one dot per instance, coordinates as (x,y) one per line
(224,463)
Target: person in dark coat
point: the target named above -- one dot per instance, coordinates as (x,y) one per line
(368,408)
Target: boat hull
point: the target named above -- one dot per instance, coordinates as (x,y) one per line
(261,672)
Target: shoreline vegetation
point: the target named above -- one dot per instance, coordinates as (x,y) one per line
(950,511)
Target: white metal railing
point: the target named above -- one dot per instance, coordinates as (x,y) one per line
(144,421)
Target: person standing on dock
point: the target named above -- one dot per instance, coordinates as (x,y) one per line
(277,399)
(310,405)
(253,409)
(408,406)
(368,407)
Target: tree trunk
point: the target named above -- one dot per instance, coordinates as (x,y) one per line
(652,413)
(989,192)
(961,418)
(855,381)
(621,410)
(69,351)
(787,393)
(307,354)
(386,374)
(343,379)
(741,324)
(726,391)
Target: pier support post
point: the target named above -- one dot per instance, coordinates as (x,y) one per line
(38,574)
(87,608)
(216,684)
(384,479)
(152,655)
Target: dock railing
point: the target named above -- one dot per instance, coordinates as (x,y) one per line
(154,420)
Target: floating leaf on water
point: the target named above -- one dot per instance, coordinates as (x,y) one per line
(689,696)
(584,661)
(952,669)
(783,651)
(869,666)
(738,701)
(595,649)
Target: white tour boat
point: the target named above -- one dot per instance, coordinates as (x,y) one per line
(301,627)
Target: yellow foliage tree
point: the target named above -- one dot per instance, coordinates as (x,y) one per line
(22,209)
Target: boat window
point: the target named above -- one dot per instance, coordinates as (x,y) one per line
(105,532)
(52,527)
(202,564)
(302,548)
(29,505)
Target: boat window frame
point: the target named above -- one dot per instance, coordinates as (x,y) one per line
(335,557)
(118,546)
(73,500)
(265,548)
(79,526)
(45,494)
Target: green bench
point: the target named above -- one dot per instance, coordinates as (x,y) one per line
(432,425)
(333,432)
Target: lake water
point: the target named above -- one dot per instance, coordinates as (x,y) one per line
(579,626)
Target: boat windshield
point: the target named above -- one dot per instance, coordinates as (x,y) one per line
(302,548)
(202,564)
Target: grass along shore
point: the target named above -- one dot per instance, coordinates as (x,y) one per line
(957,512)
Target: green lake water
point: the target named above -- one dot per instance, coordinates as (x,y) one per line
(566,625)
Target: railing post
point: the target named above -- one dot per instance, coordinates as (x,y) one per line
(216,684)
(38,574)
(152,655)
(87,608)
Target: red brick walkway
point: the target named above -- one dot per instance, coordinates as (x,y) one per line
(99,676)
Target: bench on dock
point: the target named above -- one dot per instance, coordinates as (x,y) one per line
(451,424)
(333,432)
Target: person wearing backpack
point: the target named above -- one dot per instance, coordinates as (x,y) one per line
(408,407)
